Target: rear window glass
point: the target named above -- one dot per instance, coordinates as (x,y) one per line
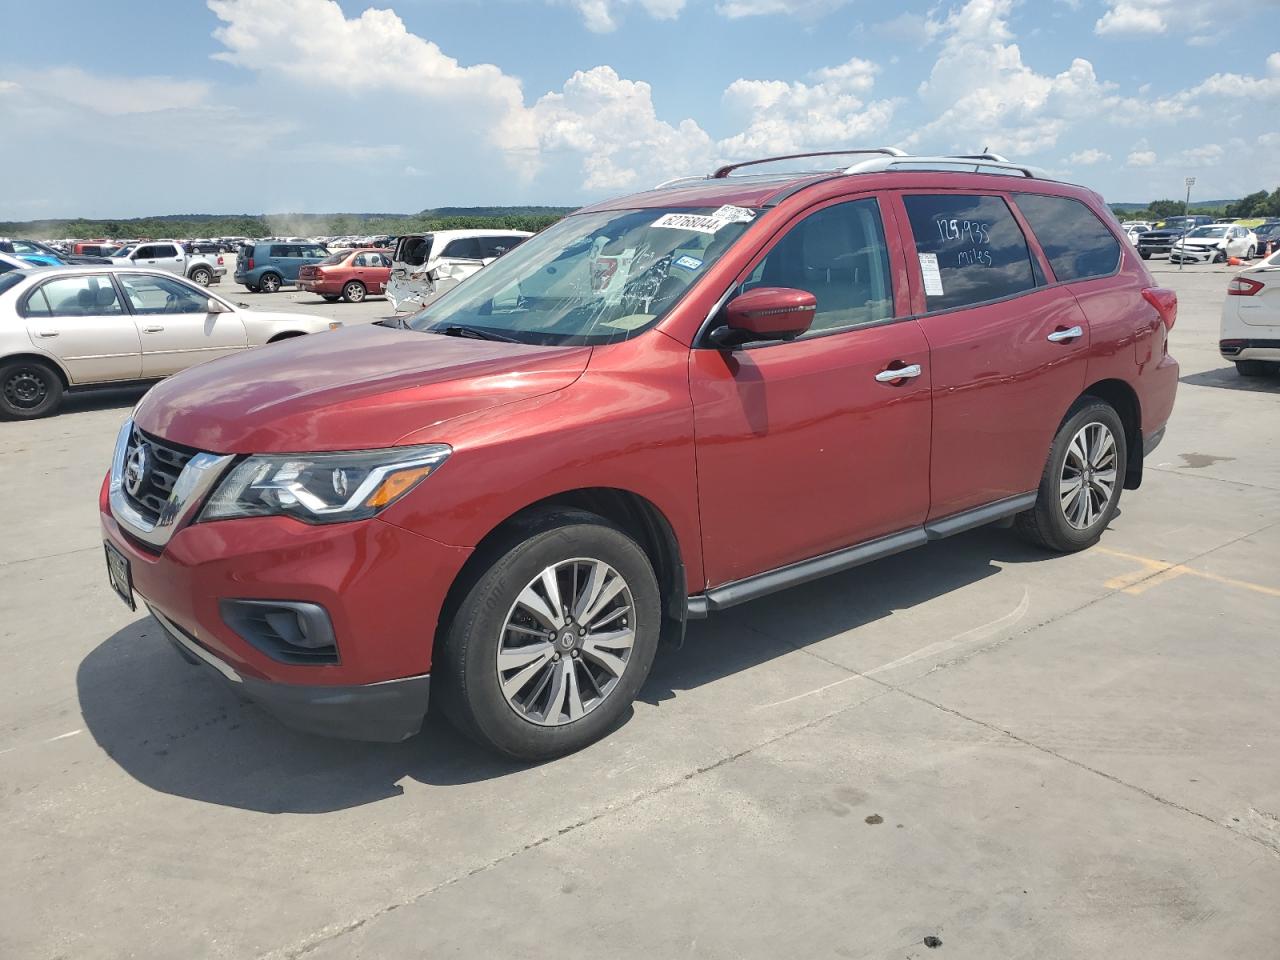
(335,258)
(1076,242)
(971,249)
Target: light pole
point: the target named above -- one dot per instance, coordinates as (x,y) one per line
(1186,212)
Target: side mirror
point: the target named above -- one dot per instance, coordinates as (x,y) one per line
(217,306)
(765,313)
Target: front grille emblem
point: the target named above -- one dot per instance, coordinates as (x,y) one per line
(137,468)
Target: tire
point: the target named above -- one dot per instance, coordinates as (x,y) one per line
(330,297)
(200,275)
(354,291)
(1253,368)
(269,283)
(1251,253)
(1220,257)
(251,288)
(29,389)
(1144,254)
(525,722)
(1066,523)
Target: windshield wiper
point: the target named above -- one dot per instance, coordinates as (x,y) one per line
(473,333)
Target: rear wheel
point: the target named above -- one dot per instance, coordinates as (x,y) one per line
(330,297)
(269,282)
(354,291)
(251,288)
(1251,253)
(28,389)
(552,641)
(1253,368)
(1080,487)
(201,275)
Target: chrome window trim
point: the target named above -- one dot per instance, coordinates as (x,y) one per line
(194,483)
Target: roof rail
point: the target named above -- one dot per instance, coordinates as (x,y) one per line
(727,169)
(977,163)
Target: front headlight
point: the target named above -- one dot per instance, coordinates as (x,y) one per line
(323,487)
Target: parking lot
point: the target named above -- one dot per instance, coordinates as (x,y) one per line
(971,750)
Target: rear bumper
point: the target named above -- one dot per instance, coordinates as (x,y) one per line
(386,712)
(321,286)
(1250,348)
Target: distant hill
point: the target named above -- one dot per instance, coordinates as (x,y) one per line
(1195,202)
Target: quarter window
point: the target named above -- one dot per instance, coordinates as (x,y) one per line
(971,249)
(838,254)
(1076,242)
(74,297)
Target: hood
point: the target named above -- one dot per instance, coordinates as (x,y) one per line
(1203,241)
(350,389)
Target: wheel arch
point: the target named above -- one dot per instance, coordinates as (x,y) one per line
(1124,400)
(44,358)
(634,514)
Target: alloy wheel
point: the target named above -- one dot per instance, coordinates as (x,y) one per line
(566,641)
(1088,480)
(355,292)
(26,388)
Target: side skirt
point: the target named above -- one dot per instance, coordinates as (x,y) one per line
(762,584)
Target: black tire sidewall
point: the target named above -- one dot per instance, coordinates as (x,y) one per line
(1060,533)
(475,697)
(53,393)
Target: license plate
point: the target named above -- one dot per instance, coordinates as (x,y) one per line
(120,576)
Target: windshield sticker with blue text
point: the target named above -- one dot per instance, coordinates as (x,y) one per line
(973,238)
(688,263)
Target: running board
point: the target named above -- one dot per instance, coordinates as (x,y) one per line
(763,584)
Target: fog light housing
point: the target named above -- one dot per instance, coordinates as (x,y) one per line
(288,631)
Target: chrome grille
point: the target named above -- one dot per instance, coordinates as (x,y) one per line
(166,463)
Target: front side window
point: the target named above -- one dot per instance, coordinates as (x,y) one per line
(839,255)
(970,248)
(149,295)
(75,297)
(1076,242)
(592,278)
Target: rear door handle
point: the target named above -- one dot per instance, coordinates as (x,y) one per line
(154,328)
(902,373)
(47,333)
(1071,333)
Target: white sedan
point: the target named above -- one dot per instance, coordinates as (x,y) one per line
(1250,336)
(65,327)
(1214,243)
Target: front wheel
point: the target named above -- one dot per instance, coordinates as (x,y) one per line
(28,389)
(1080,488)
(1220,257)
(1144,254)
(353,292)
(553,640)
(201,276)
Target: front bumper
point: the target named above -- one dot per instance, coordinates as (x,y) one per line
(387,712)
(383,588)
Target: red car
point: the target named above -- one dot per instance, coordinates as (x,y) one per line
(662,406)
(350,275)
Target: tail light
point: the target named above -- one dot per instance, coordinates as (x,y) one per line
(1166,303)
(250,266)
(1243,287)
(219,259)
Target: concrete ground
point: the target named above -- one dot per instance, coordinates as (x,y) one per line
(973,750)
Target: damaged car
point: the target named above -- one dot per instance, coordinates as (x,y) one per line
(425,265)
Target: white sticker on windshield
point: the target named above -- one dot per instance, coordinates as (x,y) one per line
(932,276)
(688,263)
(690,221)
(731,214)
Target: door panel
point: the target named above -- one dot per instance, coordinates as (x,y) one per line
(81,322)
(176,328)
(800,450)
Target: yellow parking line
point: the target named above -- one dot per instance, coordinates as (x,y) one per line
(1154,572)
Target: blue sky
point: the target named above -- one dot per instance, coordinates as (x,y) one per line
(173,106)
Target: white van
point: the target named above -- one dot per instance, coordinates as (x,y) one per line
(425,265)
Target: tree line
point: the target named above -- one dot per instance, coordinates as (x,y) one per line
(1260,204)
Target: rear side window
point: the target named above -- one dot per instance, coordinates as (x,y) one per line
(464,248)
(971,249)
(1076,242)
(74,297)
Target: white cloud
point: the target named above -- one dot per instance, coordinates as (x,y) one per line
(1202,156)
(736,9)
(116,95)
(1087,158)
(1273,65)
(1125,17)
(602,16)
(1141,158)
(782,117)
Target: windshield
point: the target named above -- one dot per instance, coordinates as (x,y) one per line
(1215,231)
(592,278)
(123,251)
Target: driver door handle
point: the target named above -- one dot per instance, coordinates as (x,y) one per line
(1071,333)
(153,328)
(902,373)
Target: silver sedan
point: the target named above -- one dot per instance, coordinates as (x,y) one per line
(64,327)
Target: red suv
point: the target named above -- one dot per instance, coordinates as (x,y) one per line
(662,406)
